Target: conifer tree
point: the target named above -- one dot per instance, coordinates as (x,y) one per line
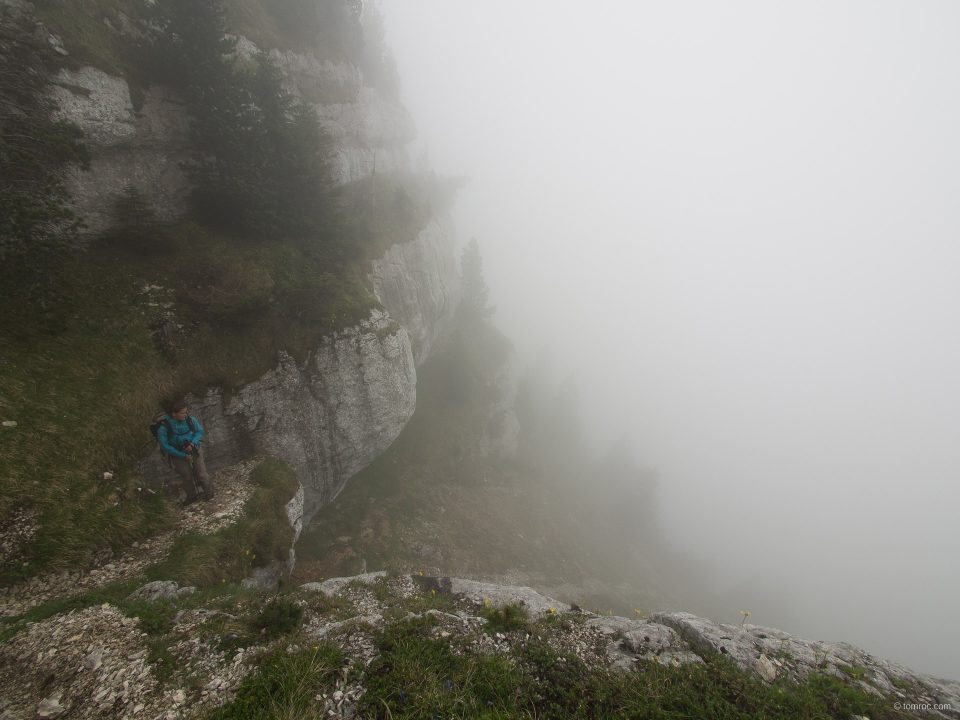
(259,159)
(38,229)
(474,291)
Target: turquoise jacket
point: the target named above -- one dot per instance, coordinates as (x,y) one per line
(184,432)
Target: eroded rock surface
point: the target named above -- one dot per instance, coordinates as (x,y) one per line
(146,146)
(770,654)
(329,417)
(418,284)
(142,148)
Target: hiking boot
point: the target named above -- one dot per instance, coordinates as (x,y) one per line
(207,497)
(190,500)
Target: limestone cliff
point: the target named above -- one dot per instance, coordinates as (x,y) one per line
(332,415)
(142,148)
(329,417)
(417,283)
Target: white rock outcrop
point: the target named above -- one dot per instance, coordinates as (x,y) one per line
(318,81)
(368,133)
(418,284)
(329,417)
(141,148)
(483,593)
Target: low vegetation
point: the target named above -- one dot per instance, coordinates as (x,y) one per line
(300,658)
(200,310)
(286,684)
(418,672)
(261,536)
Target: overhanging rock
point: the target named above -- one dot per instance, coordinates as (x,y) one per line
(329,417)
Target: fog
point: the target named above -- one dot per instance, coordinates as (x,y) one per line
(738,224)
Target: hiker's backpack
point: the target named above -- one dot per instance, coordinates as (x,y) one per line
(161,419)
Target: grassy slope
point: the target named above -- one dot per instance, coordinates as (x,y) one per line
(432,503)
(83,399)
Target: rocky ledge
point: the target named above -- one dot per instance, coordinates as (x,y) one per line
(104,662)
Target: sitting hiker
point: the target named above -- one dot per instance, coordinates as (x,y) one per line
(179,436)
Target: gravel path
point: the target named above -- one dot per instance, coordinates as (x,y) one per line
(233,489)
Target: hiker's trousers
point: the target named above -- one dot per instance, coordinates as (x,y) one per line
(182,466)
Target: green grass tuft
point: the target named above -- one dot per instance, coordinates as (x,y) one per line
(285,684)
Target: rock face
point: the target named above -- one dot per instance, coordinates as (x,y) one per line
(772,654)
(141,148)
(368,133)
(145,147)
(332,415)
(418,284)
(367,130)
(329,417)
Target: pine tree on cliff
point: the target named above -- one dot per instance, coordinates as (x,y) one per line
(474,291)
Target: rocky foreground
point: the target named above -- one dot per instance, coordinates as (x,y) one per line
(101,662)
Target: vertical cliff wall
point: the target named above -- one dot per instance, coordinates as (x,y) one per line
(333,414)
(146,147)
(418,284)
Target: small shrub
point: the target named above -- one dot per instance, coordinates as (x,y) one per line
(155,619)
(279,617)
(507,618)
(158,655)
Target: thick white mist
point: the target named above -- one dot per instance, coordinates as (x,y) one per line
(738,223)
